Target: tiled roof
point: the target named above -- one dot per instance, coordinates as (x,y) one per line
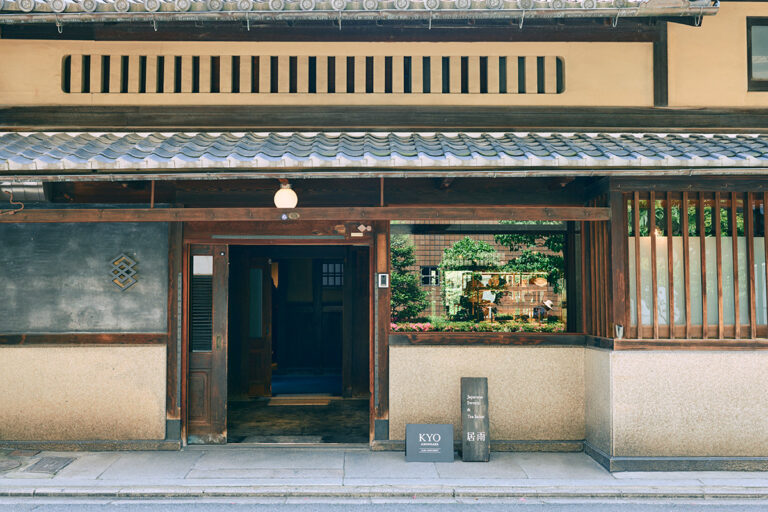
(42,152)
(63,11)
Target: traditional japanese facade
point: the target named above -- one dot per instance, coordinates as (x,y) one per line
(150,286)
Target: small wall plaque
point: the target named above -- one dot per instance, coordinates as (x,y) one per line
(383,280)
(428,443)
(475,426)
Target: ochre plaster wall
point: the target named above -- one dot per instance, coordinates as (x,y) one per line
(82,393)
(597,399)
(535,393)
(708,64)
(690,403)
(606,74)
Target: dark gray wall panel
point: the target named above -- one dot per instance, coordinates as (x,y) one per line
(55,278)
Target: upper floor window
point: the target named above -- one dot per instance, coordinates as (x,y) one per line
(757,49)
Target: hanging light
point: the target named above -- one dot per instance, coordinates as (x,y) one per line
(285,197)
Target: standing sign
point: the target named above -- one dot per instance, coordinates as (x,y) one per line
(428,443)
(475,441)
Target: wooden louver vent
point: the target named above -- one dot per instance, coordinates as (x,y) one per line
(169,74)
(201,313)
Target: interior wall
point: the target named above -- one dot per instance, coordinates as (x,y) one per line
(82,393)
(535,393)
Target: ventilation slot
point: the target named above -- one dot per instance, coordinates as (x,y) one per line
(324,74)
(201,313)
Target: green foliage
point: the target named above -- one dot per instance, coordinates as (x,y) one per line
(518,241)
(407,297)
(660,219)
(532,258)
(470,254)
(508,326)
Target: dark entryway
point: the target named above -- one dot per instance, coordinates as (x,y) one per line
(298,344)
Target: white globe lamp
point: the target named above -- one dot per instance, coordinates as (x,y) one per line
(286,197)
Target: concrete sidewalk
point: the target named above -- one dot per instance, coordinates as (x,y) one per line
(347,472)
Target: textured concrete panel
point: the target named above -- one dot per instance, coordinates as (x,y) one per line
(535,393)
(57,278)
(597,380)
(70,393)
(690,403)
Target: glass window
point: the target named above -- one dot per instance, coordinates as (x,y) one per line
(757,47)
(430,276)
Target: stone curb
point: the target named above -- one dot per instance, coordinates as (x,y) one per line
(339,492)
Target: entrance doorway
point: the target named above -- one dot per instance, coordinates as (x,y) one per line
(296,346)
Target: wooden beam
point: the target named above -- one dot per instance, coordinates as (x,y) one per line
(556,213)
(85,339)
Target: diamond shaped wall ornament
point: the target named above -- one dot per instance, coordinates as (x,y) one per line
(123,272)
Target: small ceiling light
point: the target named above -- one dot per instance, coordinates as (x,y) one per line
(286,197)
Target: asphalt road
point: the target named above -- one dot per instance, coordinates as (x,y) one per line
(527,505)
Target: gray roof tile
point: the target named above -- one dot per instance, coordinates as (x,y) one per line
(49,152)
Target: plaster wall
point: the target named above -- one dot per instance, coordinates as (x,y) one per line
(690,403)
(82,393)
(606,74)
(597,398)
(708,64)
(535,393)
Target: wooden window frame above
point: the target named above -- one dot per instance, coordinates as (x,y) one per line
(754,85)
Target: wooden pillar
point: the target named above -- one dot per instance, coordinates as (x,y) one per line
(175,315)
(380,352)
(618,266)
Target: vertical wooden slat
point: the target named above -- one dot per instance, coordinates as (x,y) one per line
(670,269)
(341,74)
(735,242)
(583,263)
(173,362)
(321,72)
(493,74)
(686,263)
(765,238)
(265,74)
(169,73)
(638,291)
(381,397)
(283,73)
(512,75)
(225,74)
(604,278)
(550,75)
(302,74)
(398,74)
(76,74)
(436,74)
(152,69)
(703,243)
(625,198)
(454,73)
(593,275)
(205,74)
(749,231)
(360,74)
(654,277)
(718,243)
(115,71)
(378,74)
(531,75)
(473,75)
(186,73)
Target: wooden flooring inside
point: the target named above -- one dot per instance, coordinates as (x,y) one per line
(333,420)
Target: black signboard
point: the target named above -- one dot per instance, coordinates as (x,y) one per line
(428,443)
(475,439)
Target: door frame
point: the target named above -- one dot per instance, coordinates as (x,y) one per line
(213,234)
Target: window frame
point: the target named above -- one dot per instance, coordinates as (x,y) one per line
(754,84)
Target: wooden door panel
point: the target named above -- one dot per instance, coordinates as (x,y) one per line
(258,327)
(207,319)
